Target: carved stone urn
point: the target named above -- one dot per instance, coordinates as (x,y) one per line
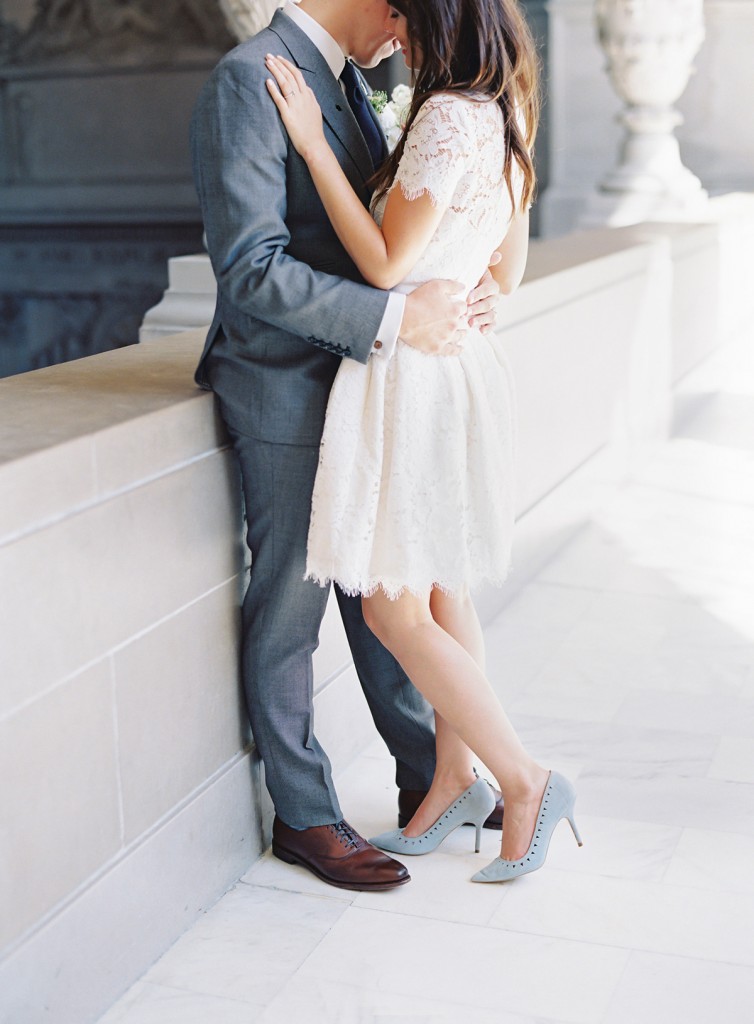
(247,17)
(650,46)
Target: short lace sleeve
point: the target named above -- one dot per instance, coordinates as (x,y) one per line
(438,151)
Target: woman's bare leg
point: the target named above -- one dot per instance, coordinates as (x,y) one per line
(454,771)
(458,617)
(452,681)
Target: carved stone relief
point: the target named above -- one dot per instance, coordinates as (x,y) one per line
(96,30)
(95,179)
(18,12)
(9,37)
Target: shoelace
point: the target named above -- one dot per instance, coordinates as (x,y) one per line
(345,834)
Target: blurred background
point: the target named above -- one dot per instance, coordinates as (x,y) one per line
(95,184)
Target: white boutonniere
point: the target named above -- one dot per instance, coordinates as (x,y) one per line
(392,113)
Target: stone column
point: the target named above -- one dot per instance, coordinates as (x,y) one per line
(650,46)
(247,17)
(583,134)
(189,301)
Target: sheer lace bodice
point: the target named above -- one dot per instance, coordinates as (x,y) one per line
(455,152)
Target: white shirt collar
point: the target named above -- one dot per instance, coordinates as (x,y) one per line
(319,36)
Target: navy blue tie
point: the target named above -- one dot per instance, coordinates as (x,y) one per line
(358,103)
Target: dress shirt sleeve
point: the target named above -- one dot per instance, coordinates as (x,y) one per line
(387,335)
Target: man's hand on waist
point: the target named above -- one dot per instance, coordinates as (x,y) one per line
(434,320)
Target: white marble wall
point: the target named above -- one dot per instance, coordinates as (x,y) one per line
(132,798)
(120,734)
(716,138)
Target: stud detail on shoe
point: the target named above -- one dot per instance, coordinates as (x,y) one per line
(473,806)
(557,802)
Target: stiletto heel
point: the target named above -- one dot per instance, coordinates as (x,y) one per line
(472,807)
(557,803)
(575,831)
(479,825)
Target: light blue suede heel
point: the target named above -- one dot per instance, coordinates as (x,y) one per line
(472,807)
(557,802)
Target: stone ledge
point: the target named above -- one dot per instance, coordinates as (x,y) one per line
(59,404)
(79,432)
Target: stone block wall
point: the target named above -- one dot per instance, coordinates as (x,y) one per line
(123,748)
(132,796)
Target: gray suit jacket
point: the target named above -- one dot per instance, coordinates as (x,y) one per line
(290,301)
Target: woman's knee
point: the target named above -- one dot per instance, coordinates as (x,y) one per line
(392,621)
(375,617)
(447,606)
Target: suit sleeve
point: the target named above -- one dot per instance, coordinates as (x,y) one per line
(239,149)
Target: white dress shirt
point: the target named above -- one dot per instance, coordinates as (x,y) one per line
(387,334)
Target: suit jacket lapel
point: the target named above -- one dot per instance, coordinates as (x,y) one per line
(335,108)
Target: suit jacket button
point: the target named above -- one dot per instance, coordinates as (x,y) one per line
(378,344)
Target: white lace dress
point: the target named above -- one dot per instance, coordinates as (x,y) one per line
(415,481)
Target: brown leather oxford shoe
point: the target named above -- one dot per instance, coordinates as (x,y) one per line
(338,855)
(409,800)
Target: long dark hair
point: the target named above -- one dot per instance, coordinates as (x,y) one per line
(482,47)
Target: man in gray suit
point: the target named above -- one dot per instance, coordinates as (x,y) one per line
(290,306)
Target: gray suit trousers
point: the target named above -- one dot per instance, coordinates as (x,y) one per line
(281,619)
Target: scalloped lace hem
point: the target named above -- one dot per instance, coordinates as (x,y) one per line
(413,192)
(393,589)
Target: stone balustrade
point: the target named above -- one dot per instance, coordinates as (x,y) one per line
(132,796)
(716,137)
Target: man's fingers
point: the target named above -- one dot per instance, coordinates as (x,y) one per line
(482,305)
(453,348)
(457,309)
(483,317)
(495,258)
(453,288)
(454,345)
(486,289)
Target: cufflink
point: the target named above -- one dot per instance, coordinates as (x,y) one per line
(378,344)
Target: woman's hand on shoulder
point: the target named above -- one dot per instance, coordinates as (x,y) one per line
(297,106)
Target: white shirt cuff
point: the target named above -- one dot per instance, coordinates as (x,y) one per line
(387,335)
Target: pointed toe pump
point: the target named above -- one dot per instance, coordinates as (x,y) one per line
(472,807)
(557,803)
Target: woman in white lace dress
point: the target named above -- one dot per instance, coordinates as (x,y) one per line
(413,501)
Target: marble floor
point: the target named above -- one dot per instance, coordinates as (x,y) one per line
(627,663)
